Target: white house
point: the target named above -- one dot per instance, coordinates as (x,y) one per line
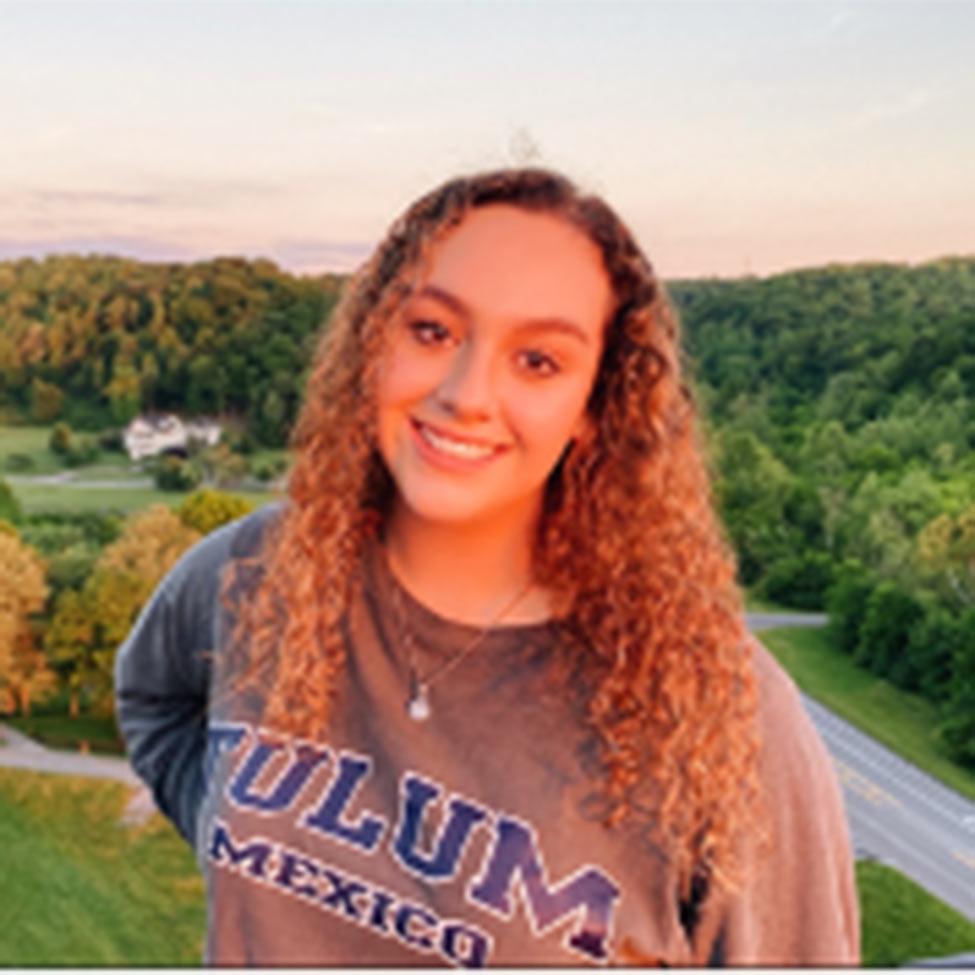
(147,436)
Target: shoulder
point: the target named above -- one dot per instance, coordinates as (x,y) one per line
(200,569)
(795,768)
(784,725)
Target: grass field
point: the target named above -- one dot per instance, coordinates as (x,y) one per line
(81,889)
(61,731)
(31,441)
(904,722)
(89,891)
(902,922)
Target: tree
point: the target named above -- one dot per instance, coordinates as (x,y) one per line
(10,509)
(46,401)
(932,644)
(23,591)
(846,602)
(753,489)
(946,549)
(206,510)
(176,474)
(883,636)
(70,645)
(957,730)
(124,577)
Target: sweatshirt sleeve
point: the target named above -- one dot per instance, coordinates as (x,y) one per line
(799,904)
(163,673)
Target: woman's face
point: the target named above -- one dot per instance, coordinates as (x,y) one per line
(489,365)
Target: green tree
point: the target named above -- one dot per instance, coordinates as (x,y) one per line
(753,489)
(10,509)
(957,730)
(846,602)
(883,636)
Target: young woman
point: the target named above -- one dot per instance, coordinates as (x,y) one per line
(480,690)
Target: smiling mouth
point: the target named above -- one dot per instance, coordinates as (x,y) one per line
(457,447)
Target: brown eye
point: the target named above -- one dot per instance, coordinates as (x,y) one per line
(428,332)
(537,363)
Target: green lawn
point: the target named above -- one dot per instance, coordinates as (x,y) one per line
(61,731)
(904,722)
(81,889)
(31,441)
(54,497)
(901,922)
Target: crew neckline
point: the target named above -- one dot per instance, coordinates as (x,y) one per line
(434,629)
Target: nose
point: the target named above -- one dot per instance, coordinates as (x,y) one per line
(466,390)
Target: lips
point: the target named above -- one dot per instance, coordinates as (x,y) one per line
(449,446)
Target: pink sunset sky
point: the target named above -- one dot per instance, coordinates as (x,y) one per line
(734,137)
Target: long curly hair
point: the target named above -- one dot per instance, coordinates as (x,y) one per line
(628,542)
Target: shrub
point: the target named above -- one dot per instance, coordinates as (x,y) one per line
(957,730)
(798,580)
(10,509)
(176,474)
(846,602)
(932,643)
(61,439)
(111,439)
(268,470)
(882,642)
(206,510)
(18,463)
(81,451)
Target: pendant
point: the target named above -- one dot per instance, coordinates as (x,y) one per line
(418,706)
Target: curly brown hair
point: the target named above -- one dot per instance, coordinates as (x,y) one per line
(628,542)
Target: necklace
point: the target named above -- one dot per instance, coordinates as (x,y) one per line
(418,699)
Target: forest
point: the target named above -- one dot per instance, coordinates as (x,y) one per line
(839,419)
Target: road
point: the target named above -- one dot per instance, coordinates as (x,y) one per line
(898,814)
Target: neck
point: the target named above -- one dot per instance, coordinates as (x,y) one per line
(467,573)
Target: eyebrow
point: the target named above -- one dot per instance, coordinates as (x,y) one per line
(546,324)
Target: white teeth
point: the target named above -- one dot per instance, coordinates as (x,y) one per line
(455,448)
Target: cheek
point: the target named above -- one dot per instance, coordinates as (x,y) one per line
(547,423)
(404,378)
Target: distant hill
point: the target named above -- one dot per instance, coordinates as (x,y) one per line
(95,340)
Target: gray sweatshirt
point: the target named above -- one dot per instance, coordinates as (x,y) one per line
(472,838)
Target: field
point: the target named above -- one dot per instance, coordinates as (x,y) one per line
(904,722)
(81,889)
(902,922)
(110,484)
(31,442)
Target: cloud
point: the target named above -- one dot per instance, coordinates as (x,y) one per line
(300,256)
(121,245)
(94,198)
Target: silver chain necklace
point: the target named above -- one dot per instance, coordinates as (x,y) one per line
(418,699)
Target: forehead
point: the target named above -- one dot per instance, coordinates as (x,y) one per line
(512,263)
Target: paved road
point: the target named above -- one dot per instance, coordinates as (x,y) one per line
(898,814)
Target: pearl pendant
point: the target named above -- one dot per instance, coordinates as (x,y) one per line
(418,706)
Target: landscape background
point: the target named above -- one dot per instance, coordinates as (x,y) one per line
(183,191)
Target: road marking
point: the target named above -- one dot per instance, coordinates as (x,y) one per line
(967,858)
(907,776)
(863,787)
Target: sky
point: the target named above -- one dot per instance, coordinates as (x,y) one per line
(734,137)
